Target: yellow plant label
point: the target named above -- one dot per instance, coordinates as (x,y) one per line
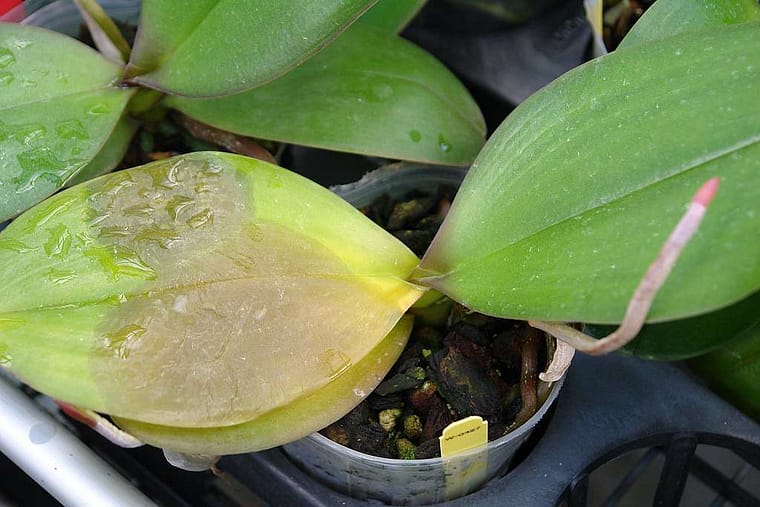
(463,435)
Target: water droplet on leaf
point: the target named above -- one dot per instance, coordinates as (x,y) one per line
(415,136)
(14,246)
(335,361)
(177,205)
(120,341)
(98,110)
(6,58)
(72,129)
(6,78)
(200,219)
(59,243)
(59,277)
(443,144)
(118,261)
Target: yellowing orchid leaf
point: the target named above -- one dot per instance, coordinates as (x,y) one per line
(198,291)
(299,418)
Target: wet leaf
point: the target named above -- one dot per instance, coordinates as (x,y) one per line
(392,15)
(216,47)
(198,291)
(552,225)
(290,422)
(401,103)
(666,18)
(110,154)
(58,105)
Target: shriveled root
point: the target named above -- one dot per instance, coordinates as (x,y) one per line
(101,425)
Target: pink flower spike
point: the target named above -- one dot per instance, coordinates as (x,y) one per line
(706,192)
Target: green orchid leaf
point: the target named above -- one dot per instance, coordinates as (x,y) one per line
(210,48)
(681,339)
(573,196)
(110,154)
(58,105)
(290,422)
(104,32)
(734,371)
(399,103)
(392,16)
(666,18)
(198,291)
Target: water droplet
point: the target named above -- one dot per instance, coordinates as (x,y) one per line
(415,136)
(120,341)
(22,43)
(118,261)
(210,169)
(335,361)
(202,188)
(116,231)
(14,246)
(255,232)
(47,213)
(72,129)
(177,205)
(43,164)
(139,210)
(164,237)
(167,177)
(98,110)
(59,243)
(59,277)
(6,58)
(5,356)
(443,144)
(200,219)
(25,133)
(6,78)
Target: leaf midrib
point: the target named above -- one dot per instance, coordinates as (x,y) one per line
(678,171)
(190,286)
(62,96)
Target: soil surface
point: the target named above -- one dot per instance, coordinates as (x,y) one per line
(457,363)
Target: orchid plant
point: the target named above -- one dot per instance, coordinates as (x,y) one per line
(215,304)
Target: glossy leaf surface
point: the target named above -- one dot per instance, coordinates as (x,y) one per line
(58,105)
(555,223)
(666,18)
(392,15)
(199,291)
(299,418)
(734,371)
(397,103)
(216,47)
(681,339)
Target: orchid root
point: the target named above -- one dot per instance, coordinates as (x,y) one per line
(641,301)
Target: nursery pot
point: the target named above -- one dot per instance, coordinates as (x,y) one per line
(418,481)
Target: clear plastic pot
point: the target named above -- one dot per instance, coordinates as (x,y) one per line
(408,482)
